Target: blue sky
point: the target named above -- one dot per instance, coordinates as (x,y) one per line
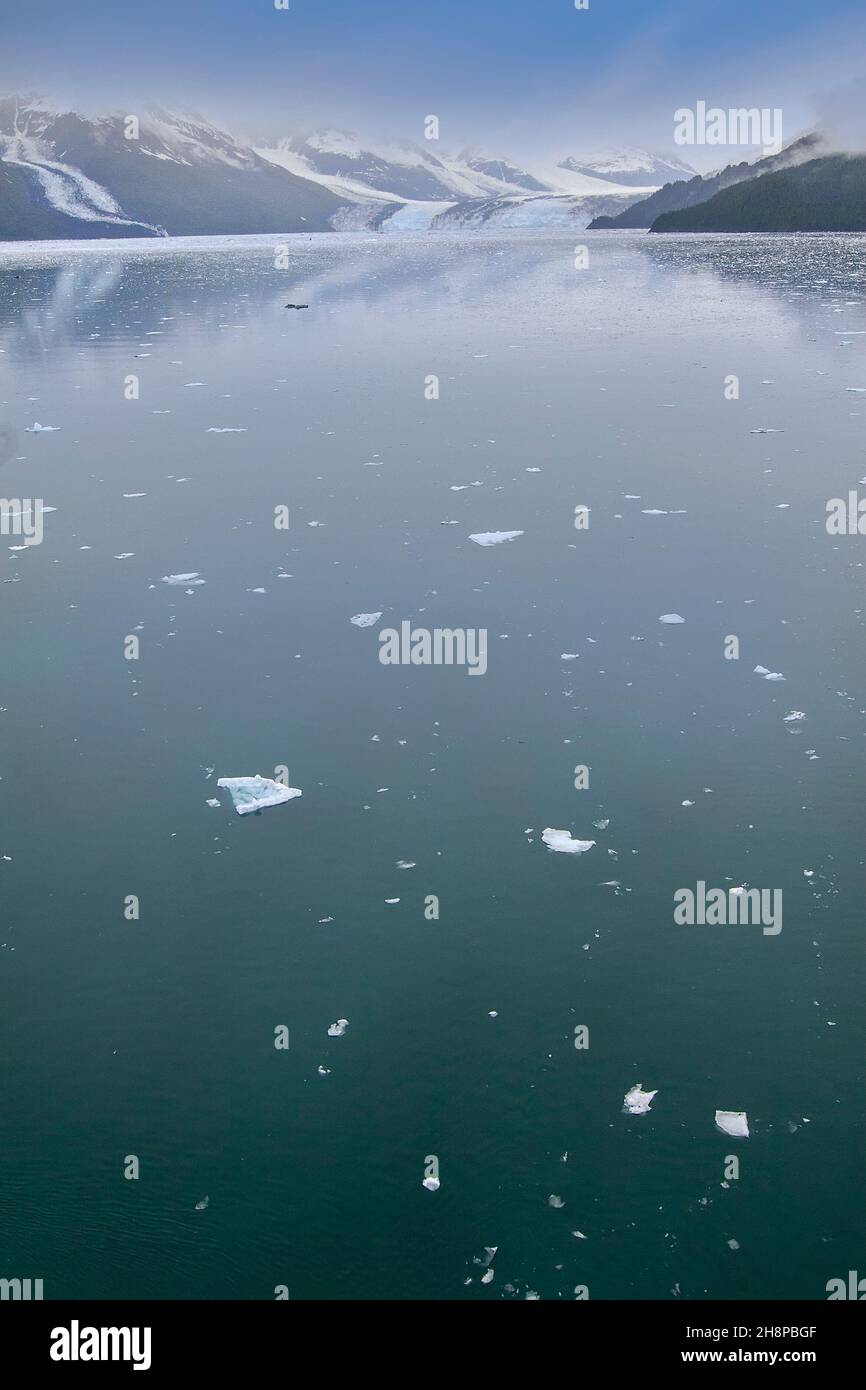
(519,76)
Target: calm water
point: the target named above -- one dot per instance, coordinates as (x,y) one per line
(557,387)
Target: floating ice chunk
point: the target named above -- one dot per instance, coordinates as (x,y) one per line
(636,1101)
(324,1071)
(254,793)
(202,1205)
(134,494)
(488,1256)
(601,824)
(569,656)
(671,618)
(768,675)
(733,1122)
(431,1184)
(213,801)
(794,715)
(487,1277)
(494,537)
(554,1201)
(337,1029)
(226,429)
(687,803)
(406,864)
(180,579)
(652,511)
(765,431)
(562,842)
(365,619)
(36,428)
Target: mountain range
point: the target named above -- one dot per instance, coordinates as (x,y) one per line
(66,174)
(674,196)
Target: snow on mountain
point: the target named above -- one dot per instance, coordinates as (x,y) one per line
(630,167)
(64,174)
(403,186)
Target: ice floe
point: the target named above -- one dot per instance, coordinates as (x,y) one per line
(180,579)
(637,1101)
(254,793)
(36,428)
(733,1122)
(337,1029)
(768,675)
(365,619)
(494,537)
(562,842)
(671,618)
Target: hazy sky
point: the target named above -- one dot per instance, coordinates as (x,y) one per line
(516,76)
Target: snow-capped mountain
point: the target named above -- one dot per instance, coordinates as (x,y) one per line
(400,186)
(397,171)
(630,167)
(64,174)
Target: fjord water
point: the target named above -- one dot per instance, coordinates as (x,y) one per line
(558,387)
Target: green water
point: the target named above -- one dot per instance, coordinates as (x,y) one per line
(155,1037)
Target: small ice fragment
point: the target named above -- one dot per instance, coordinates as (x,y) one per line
(494,537)
(671,618)
(578,1235)
(337,1029)
(569,656)
(687,803)
(601,824)
(324,1071)
(254,793)
(365,619)
(202,1205)
(213,801)
(226,429)
(36,428)
(794,715)
(392,900)
(406,864)
(733,1122)
(768,675)
(180,579)
(561,841)
(431,1184)
(652,511)
(487,1278)
(554,1201)
(636,1101)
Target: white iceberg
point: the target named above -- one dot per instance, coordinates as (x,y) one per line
(36,428)
(431,1184)
(733,1122)
(254,793)
(636,1101)
(337,1029)
(183,578)
(671,618)
(561,841)
(494,537)
(365,619)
